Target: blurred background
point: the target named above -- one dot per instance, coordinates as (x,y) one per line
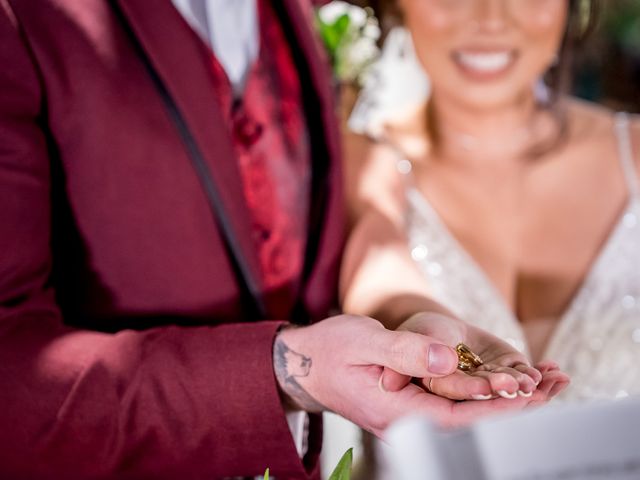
(607,68)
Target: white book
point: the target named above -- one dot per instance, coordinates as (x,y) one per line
(557,442)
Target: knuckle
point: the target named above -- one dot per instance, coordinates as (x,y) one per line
(405,350)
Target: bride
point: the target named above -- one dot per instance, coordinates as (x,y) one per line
(501,201)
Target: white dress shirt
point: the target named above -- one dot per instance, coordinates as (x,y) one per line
(231,29)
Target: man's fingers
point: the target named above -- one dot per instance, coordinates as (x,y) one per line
(449,330)
(463,413)
(392,381)
(412,398)
(411,354)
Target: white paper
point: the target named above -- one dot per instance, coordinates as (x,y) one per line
(564,442)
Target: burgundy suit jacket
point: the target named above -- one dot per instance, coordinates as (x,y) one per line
(124,349)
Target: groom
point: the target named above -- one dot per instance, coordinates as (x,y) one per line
(170,207)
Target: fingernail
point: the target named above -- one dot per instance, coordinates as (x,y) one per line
(442,359)
(381,384)
(505,394)
(481,397)
(524,394)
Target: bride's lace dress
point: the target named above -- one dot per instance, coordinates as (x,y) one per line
(597,339)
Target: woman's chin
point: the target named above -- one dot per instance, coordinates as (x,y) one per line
(483,97)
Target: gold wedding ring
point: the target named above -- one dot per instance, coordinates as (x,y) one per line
(467,360)
(429,385)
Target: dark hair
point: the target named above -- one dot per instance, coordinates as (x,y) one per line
(583,19)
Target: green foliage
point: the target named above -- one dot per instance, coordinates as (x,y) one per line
(622,22)
(349,34)
(334,34)
(343,470)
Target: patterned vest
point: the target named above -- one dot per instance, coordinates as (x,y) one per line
(268,129)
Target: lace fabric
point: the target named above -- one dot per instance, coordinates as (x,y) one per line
(597,339)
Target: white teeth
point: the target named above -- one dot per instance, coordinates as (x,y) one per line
(485,62)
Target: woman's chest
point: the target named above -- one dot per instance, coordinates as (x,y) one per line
(534,236)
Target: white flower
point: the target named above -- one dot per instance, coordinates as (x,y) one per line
(393,85)
(357,56)
(334,10)
(355,46)
(371,30)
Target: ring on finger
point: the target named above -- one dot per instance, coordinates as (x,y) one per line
(429,385)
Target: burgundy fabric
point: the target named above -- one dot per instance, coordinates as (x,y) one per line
(124,352)
(270,139)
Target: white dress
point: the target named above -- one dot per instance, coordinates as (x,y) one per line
(597,339)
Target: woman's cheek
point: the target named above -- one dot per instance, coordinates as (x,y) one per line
(428,16)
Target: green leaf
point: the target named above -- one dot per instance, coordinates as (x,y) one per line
(266,474)
(341,25)
(343,470)
(334,34)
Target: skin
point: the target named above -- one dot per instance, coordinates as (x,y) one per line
(375,371)
(336,365)
(534,226)
(532,28)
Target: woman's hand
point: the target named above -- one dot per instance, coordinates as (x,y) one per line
(505,373)
(335,365)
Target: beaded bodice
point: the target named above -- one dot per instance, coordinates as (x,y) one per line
(597,339)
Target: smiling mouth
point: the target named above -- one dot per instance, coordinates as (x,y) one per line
(484,65)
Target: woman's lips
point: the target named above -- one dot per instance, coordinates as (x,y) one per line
(484,65)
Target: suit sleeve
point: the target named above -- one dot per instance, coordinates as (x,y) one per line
(168,402)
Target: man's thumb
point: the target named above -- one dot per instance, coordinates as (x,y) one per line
(414,354)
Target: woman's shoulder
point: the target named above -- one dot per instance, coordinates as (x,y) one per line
(589,120)
(366,156)
(594,123)
(593,109)
(634,128)
(372,179)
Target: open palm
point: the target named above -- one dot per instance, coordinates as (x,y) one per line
(506,372)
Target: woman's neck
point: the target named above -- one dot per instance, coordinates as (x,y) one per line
(493,134)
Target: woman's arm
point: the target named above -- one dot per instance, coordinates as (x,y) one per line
(378,276)
(380,279)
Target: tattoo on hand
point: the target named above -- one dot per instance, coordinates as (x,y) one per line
(290,365)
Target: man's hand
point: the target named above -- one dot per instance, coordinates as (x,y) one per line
(505,372)
(337,364)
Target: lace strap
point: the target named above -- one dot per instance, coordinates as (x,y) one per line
(622,126)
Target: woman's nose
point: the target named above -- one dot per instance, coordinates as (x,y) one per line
(491,15)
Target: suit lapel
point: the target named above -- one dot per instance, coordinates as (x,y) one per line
(179,58)
(327,215)
(301,19)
